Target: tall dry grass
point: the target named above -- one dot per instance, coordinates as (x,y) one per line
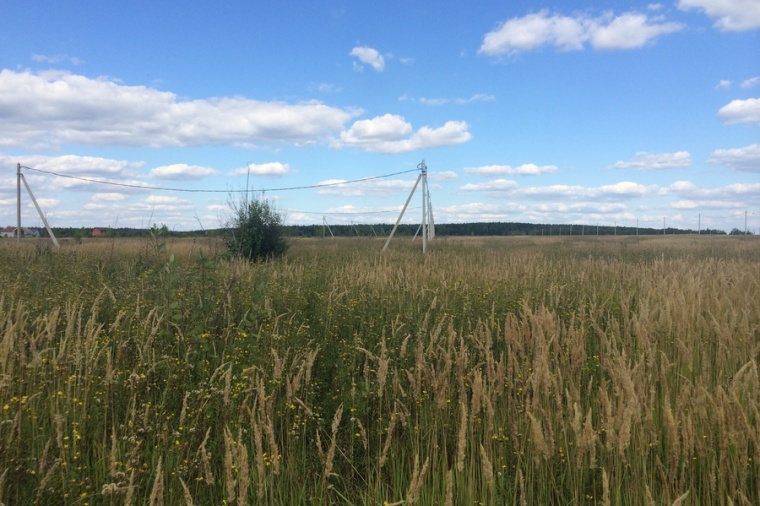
(492,371)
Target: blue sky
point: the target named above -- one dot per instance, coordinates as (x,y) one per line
(558,112)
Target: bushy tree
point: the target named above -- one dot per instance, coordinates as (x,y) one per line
(255,231)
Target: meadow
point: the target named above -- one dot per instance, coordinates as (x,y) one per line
(557,370)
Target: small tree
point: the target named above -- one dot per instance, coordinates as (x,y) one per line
(255,231)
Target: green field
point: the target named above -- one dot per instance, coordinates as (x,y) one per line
(526,371)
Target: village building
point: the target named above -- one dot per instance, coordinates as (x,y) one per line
(25,232)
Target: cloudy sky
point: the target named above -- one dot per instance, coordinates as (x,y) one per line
(141,112)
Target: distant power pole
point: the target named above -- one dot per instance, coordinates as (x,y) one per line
(18,203)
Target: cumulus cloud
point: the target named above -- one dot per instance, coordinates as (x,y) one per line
(729,15)
(498,185)
(442,176)
(706,204)
(630,30)
(270,169)
(368,56)
(741,111)
(71,164)
(182,172)
(477,211)
(375,187)
(109,197)
(607,193)
(727,194)
(391,133)
(48,109)
(527,169)
(656,161)
(746,159)
(72,172)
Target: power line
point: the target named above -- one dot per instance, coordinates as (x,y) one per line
(187,190)
(337,213)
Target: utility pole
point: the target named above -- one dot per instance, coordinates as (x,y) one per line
(18,203)
(423,175)
(427,227)
(39,211)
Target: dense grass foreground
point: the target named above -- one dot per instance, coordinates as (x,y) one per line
(492,371)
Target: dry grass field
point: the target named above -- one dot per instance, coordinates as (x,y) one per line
(557,370)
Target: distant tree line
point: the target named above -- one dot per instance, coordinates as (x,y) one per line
(483,229)
(382,230)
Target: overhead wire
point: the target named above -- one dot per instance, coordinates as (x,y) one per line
(191,190)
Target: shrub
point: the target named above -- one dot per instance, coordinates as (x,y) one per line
(255,231)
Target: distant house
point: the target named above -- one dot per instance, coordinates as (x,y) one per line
(99,232)
(25,232)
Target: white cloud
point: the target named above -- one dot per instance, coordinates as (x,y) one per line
(391,133)
(276,169)
(374,187)
(368,56)
(606,193)
(746,159)
(750,83)
(656,161)
(533,31)
(727,194)
(628,31)
(71,164)
(49,109)
(181,172)
(706,204)
(447,175)
(624,189)
(163,199)
(58,58)
(109,197)
(741,111)
(498,185)
(527,169)
(723,84)
(325,88)
(729,15)
(478,97)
